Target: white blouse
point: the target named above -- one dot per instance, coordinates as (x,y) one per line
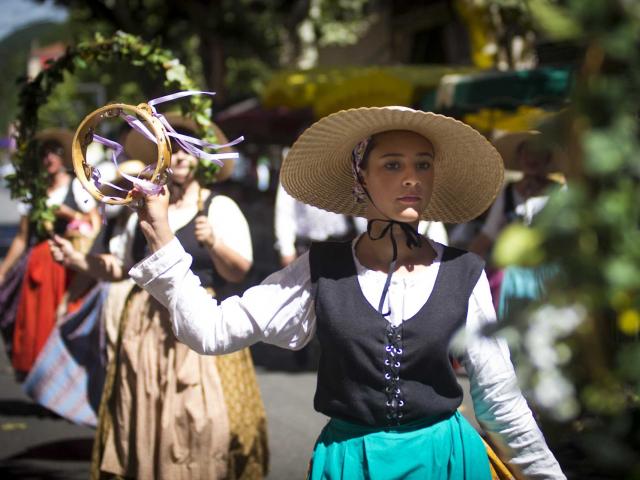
(281,312)
(83,199)
(525,209)
(225,217)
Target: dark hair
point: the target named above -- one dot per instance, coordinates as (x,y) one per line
(51,146)
(367,151)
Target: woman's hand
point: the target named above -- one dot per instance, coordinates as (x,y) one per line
(63,252)
(68,213)
(154,220)
(204,233)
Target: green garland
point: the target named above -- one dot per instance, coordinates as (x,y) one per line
(29,182)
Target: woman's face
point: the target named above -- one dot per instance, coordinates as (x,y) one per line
(52,162)
(534,160)
(183,166)
(399,175)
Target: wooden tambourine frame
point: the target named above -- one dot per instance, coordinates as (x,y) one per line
(84,136)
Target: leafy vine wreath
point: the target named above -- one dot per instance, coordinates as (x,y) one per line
(29,182)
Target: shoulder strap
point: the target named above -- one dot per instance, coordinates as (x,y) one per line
(468,264)
(207,204)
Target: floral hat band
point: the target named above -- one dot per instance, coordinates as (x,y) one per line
(357,157)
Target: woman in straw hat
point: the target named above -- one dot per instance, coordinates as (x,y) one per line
(166,411)
(384,308)
(44,282)
(523,152)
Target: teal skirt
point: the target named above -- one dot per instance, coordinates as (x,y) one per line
(449,449)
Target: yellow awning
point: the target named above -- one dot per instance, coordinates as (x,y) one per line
(329,90)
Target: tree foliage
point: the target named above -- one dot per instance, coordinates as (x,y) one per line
(582,344)
(232,45)
(29,182)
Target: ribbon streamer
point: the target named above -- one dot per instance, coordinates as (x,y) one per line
(191,145)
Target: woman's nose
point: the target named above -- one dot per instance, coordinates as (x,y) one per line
(411,178)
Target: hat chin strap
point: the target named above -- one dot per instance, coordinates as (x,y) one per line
(412,237)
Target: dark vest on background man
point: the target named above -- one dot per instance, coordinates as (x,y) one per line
(202,264)
(371,372)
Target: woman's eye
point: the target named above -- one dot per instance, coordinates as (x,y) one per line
(392,165)
(424,165)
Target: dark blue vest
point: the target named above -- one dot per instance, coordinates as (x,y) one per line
(375,374)
(202,265)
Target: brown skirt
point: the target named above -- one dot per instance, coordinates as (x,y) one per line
(169,413)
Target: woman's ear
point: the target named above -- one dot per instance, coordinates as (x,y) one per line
(361,177)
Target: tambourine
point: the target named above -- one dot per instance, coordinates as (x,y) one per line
(84,136)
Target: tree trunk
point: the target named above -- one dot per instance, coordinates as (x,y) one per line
(213,66)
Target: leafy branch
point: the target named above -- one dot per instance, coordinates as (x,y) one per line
(29,182)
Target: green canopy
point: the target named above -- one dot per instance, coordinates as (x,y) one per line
(459,94)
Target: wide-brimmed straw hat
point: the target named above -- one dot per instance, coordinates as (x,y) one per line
(509,143)
(61,135)
(137,146)
(468,171)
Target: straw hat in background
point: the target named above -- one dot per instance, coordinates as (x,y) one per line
(468,171)
(509,144)
(60,135)
(137,146)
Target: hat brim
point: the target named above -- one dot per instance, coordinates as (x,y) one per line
(468,171)
(508,144)
(137,146)
(61,135)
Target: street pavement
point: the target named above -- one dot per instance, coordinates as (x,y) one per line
(35,444)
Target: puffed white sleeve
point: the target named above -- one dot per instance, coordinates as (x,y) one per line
(83,199)
(230,224)
(499,405)
(279,311)
(284,222)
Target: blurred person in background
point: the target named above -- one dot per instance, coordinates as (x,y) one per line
(73,361)
(44,282)
(166,411)
(520,200)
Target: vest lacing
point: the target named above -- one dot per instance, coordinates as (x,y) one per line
(392,362)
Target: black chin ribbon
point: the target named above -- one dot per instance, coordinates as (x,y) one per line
(413,239)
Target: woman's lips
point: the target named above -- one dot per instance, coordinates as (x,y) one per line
(410,199)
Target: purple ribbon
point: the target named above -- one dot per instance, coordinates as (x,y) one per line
(145,186)
(186,142)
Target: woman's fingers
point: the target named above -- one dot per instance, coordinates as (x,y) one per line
(61,248)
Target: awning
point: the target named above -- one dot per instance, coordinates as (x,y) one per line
(542,87)
(328,90)
(278,125)
(523,118)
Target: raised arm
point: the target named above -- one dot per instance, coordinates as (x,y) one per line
(279,311)
(498,402)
